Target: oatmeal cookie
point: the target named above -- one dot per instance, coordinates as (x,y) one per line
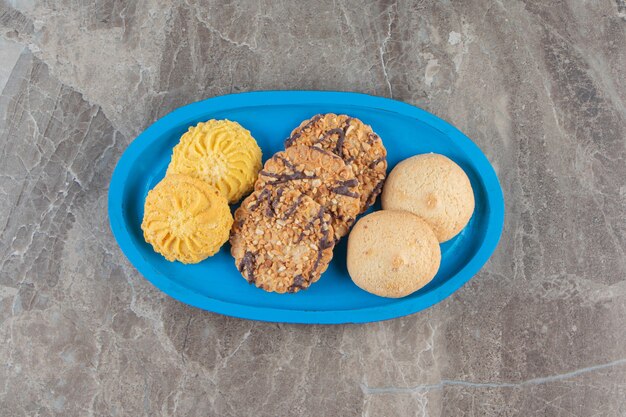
(319,174)
(281,240)
(354,142)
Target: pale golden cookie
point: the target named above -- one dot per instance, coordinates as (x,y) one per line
(186,219)
(319,174)
(392,253)
(434,188)
(354,142)
(220,152)
(282,240)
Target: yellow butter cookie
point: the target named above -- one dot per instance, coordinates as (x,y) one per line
(220,152)
(186,219)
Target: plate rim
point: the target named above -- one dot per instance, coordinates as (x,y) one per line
(403,306)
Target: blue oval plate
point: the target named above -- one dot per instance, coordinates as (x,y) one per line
(216,285)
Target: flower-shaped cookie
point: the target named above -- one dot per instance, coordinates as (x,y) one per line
(186,219)
(220,152)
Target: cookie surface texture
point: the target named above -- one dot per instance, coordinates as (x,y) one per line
(433,187)
(220,152)
(354,142)
(392,253)
(319,174)
(281,240)
(186,219)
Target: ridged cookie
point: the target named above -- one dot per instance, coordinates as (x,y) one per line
(319,174)
(220,152)
(392,253)
(434,188)
(281,240)
(354,142)
(186,219)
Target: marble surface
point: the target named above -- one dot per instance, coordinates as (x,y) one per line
(539,85)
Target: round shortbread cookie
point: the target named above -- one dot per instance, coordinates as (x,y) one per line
(434,188)
(186,219)
(392,253)
(319,174)
(354,142)
(220,152)
(281,240)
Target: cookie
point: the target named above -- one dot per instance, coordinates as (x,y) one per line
(186,219)
(220,152)
(434,188)
(354,142)
(281,240)
(392,253)
(319,174)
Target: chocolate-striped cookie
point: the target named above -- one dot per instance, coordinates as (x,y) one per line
(354,142)
(281,240)
(319,174)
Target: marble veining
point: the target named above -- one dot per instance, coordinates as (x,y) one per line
(539,86)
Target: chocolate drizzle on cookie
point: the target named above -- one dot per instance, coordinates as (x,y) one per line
(298,175)
(375,162)
(295,174)
(372,137)
(265,173)
(341,136)
(264,195)
(344,188)
(275,202)
(247,266)
(295,136)
(325,242)
(372,197)
(285,161)
(298,283)
(292,209)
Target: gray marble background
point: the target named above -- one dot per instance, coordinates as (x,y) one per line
(539,85)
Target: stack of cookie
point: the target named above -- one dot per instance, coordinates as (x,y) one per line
(306,198)
(186,216)
(427,199)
